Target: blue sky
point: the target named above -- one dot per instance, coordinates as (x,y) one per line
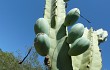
(17,19)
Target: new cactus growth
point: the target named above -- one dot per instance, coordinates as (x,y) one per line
(76,32)
(79,46)
(42,44)
(72,17)
(76,49)
(41,26)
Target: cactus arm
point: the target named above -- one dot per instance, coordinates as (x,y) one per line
(72,17)
(91,59)
(79,46)
(42,44)
(96,65)
(76,32)
(94,56)
(41,26)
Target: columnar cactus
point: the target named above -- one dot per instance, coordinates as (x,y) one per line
(91,59)
(77,49)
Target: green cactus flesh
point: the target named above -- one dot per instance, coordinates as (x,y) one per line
(41,26)
(42,44)
(76,32)
(79,46)
(91,59)
(72,17)
(76,50)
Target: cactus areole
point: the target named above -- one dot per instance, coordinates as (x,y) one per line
(76,49)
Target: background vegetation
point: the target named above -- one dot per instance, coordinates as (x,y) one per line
(9,62)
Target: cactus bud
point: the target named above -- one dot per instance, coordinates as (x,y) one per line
(72,17)
(76,31)
(42,44)
(41,26)
(79,46)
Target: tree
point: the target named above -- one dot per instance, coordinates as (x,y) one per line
(9,62)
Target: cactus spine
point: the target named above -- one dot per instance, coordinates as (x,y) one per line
(54,40)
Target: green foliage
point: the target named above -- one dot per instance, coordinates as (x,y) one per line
(9,62)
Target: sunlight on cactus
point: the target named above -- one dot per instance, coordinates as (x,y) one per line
(76,49)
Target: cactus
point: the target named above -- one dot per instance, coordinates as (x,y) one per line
(41,26)
(72,17)
(79,46)
(74,50)
(42,44)
(76,32)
